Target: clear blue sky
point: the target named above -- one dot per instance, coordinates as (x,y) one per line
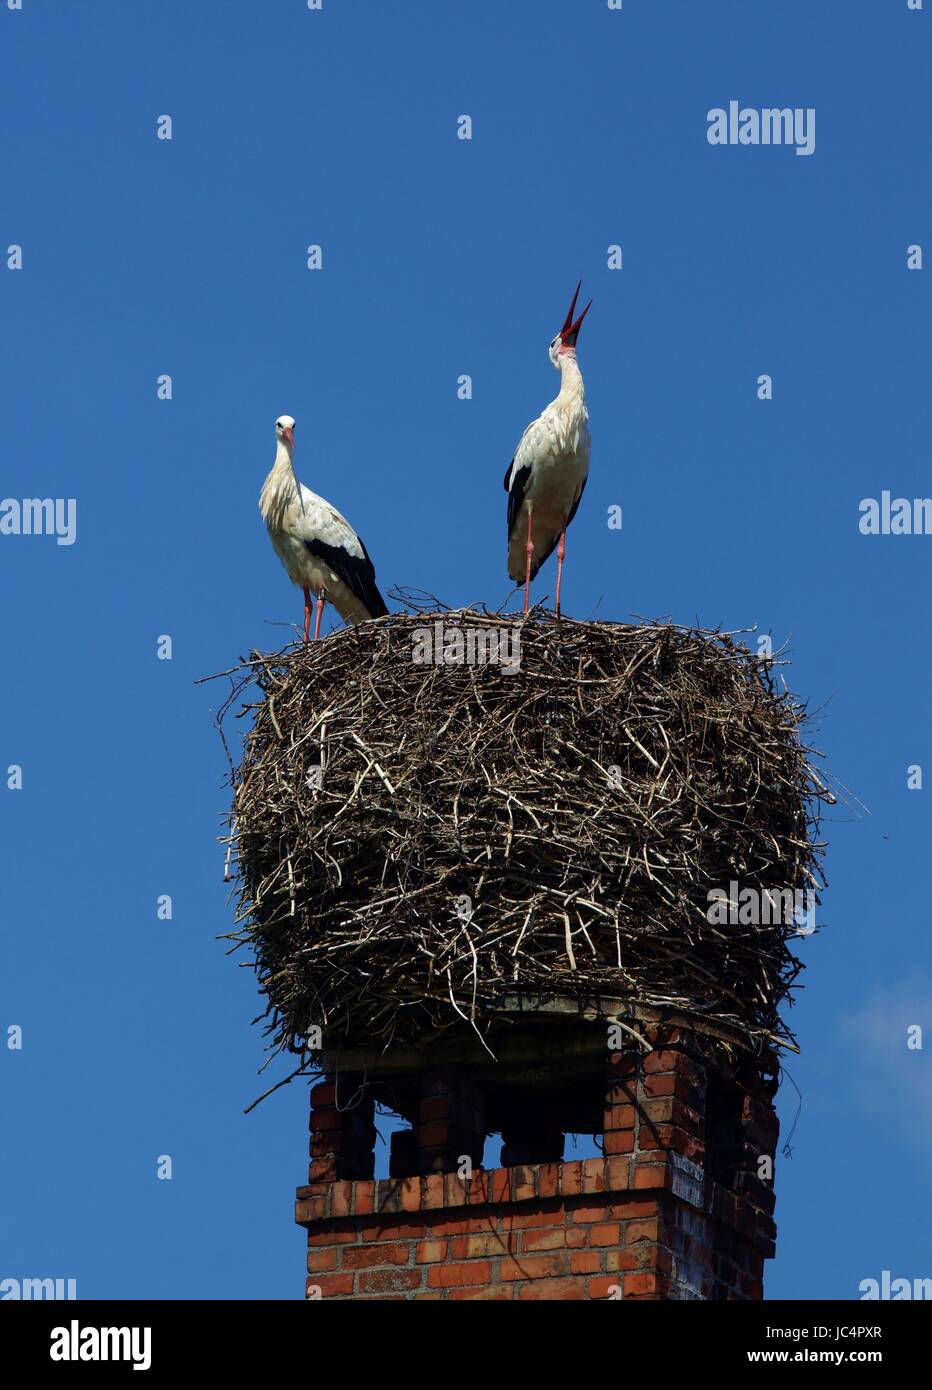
(440,257)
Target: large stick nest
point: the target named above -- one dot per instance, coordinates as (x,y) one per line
(415,842)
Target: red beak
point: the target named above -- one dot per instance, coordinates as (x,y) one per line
(570,330)
(288,433)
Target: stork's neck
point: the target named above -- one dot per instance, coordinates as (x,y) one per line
(284,459)
(280,486)
(572,391)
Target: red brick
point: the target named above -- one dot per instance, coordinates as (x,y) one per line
(537,1217)
(694,1075)
(479,1188)
(660,1084)
(622,1210)
(619,1173)
(363,1198)
(388,1196)
(342,1199)
(667,1109)
(389,1280)
(324,1093)
(534,1266)
(655,1137)
(454,1189)
(593,1210)
(410,1194)
(318,1260)
(618,1141)
(549,1180)
(682,1141)
(493,1294)
(676,1037)
(316,1189)
(593,1175)
(566,1290)
(616,1260)
(642,1230)
(604,1286)
(500,1188)
(323,1170)
(332,1284)
(621,1093)
(395,1230)
(366,1256)
(332,1238)
(324,1144)
(310,1209)
(432,1197)
(572,1178)
(619,1117)
(607,1233)
(663,1061)
(430,1251)
(544,1239)
(692,1092)
(524,1187)
(636,1207)
(458,1276)
(326,1118)
(642,1286)
(471,1225)
(473,1247)
(584,1261)
(650,1175)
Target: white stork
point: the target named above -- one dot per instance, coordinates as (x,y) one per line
(547,475)
(318,547)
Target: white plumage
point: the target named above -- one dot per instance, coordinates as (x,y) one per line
(319,549)
(548,473)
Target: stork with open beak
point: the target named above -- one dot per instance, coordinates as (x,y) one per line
(548,473)
(318,547)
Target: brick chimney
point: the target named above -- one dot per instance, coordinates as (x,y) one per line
(679,1206)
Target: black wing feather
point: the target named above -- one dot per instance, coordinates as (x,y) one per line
(356,571)
(516,493)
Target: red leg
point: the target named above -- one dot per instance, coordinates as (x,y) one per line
(528,551)
(561,551)
(307,613)
(320,609)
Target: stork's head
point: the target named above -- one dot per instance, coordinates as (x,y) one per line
(565,341)
(284,430)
